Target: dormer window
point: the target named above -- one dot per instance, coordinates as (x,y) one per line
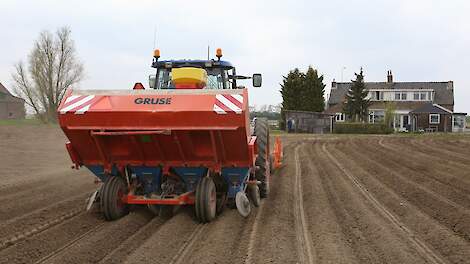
(423,96)
(397,96)
(400,96)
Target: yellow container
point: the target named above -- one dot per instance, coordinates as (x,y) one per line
(189,75)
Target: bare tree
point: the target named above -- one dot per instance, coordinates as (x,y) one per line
(52,68)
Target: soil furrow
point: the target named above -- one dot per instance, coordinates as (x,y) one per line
(430,148)
(133,242)
(439,209)
(164,244)
(441,238)
(425,251)
(42,244)
(445,165)
(276,235)
(431,182)
(39,217)
(36,199)
(97,244)
(303,236)
(459,149)
(444,171)
(372,238)
(329,242)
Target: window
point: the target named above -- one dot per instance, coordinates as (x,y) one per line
(377,96)
(459,122)
(376,116)
(434,119)
(339,117)
(403,96)
(216,79)
(398,96)
(423,97)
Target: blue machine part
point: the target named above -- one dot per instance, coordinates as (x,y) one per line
(98,170)
(190,176)
(149,177)
(236,179)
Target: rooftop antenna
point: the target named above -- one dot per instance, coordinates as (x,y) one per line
(208,51)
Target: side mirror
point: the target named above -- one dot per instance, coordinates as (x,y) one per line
(257,80)
(152,81)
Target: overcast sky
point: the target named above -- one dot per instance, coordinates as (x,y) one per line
(419,40)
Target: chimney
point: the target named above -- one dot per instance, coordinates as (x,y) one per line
(333,84)
(389,77)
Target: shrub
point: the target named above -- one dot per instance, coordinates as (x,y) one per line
(361,128)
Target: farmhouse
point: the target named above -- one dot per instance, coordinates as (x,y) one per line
(11,107)
(419,106)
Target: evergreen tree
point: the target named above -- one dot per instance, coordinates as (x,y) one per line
(313,91)
(290,93)
(291,90)
(302,91)
(356,106)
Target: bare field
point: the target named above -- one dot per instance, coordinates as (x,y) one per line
(337,199)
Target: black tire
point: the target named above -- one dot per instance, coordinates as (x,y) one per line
(206,200)
(254,195)
(198,202)
(222,189)
(111,204)
(221,201)
(262,161)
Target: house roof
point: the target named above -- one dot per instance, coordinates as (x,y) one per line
(9,97)
(4,90)
(431,109)
(444,92)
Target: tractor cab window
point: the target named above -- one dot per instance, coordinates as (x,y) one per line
(164,79)
(216,79)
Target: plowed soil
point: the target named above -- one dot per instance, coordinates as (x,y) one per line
(353,199)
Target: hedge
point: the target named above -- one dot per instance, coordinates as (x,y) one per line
(361,128)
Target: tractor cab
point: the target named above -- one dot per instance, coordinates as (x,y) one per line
(197,74)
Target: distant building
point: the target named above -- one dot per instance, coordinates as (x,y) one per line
(11,107)
(308,122)
(420,106)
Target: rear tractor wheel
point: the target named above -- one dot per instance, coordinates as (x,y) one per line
(206,200)
(262,172)
(111,202)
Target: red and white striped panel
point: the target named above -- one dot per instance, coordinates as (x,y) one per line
(78,104)
(225,103)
